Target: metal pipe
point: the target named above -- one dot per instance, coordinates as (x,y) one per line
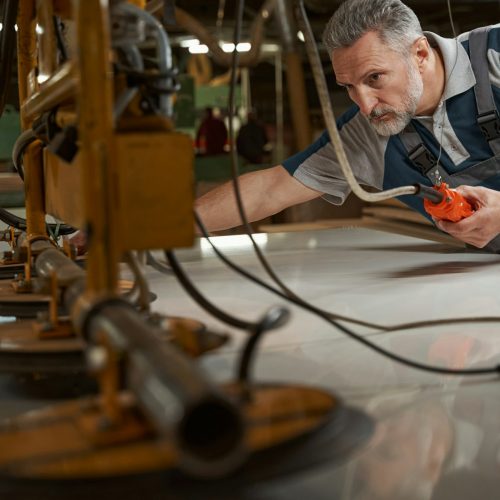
(53,261)
(95,132)
(34,191)
(164,50)
(297,94)
(297,98)
(173,392)
(285,23)
(135,59)
(192,25)
(278,75)
(26,52)
(60,87)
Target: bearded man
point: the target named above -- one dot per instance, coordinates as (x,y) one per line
(425,108)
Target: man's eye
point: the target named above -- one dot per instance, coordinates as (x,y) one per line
(375,77)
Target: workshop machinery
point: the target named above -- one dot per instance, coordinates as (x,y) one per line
(99,152)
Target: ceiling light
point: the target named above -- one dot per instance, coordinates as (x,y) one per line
(242,47)
(190,42)
(198,49)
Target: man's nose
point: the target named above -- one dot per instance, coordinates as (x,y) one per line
(366,100)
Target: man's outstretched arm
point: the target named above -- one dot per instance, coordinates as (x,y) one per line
(264,193)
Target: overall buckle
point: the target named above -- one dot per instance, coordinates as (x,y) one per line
(422,158)
(490,125)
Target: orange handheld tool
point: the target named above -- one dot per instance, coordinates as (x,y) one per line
(452,207)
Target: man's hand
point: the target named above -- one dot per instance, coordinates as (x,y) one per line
(484,224)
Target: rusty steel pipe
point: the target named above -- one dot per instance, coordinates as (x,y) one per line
(58,89)
(178,398)
(193,26)
(53,261)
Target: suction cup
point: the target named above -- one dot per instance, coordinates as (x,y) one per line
(288,429)
(23,350)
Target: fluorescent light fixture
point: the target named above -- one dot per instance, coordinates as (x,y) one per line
(1,26)
(242,47)
(198,49)
(190,42)
(300,36)
(270,48)
(232,242)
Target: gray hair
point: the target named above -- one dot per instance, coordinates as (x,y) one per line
(396,24)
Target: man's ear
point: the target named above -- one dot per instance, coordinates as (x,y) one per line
(421,51)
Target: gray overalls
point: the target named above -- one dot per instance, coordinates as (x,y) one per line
(488,118)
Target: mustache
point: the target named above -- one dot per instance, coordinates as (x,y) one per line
(377,112)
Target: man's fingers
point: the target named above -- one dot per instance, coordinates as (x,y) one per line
(476,195)
(466,225)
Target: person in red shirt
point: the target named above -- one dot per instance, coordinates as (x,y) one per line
(212,135)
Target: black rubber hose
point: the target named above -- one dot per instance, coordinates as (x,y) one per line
(196,295)
(19,223)
(22,142)
(7,48)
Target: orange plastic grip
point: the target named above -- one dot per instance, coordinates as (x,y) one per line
(453,207)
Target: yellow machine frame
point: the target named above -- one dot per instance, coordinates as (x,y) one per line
(122,176)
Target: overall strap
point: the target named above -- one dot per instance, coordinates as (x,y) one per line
(421,157)
(488,117)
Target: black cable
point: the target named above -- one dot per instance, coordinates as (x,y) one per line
(7,48)
(12,220)
(19,223)
(248,229)
(236,186)
(156,264)
(197,296)
(61,45)
(347,331)
(22,142)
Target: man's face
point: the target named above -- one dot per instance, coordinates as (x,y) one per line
(386,85)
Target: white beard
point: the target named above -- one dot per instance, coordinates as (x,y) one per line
(399,119)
